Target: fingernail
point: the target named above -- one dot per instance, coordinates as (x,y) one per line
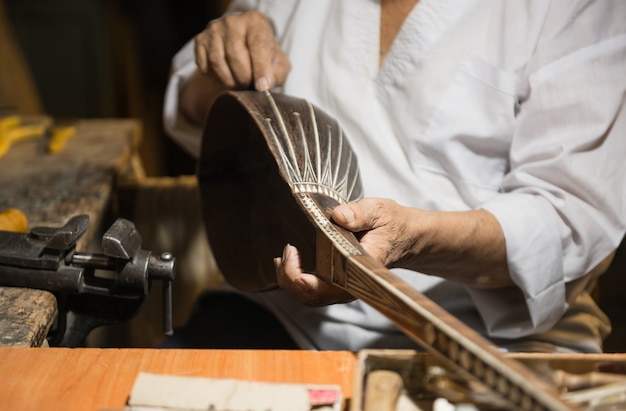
(262,84)
(277,261)
(347,214)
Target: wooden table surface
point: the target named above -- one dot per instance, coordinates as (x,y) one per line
(96,379)
(52,188)
(90,379)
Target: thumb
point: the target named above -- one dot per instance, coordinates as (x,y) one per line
(352,217)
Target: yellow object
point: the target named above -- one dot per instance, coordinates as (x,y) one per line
(59,137)
(13,219)
(12,131)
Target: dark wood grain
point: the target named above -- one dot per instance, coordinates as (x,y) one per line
(26,316)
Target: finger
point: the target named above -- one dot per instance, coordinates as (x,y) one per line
(370,218)
(237,51)
(264,51)
(356,217)
(365,214)
(290,276)
(210,54)
(306,288)
(219,61)
(273,74)
(344,215)
(200,52)
(251,48)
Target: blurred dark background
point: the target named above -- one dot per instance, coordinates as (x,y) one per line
(109,58)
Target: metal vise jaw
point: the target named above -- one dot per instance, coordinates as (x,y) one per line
(91,289)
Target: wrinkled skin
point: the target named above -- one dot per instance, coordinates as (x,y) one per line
(235,52)
(241,51)
(466,247)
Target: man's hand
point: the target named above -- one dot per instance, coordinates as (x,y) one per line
(386,230)
(237,51)
(307,288)
(241,52)
(466,246)
(382,228)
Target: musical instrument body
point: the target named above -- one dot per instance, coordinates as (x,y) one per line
(272,168)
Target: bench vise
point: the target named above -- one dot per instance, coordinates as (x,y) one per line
(91,289)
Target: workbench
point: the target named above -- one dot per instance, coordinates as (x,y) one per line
(50,189)
(102,379)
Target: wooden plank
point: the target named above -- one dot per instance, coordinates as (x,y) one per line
(98,379)
(26,316)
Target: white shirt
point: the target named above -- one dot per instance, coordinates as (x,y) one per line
(513,106)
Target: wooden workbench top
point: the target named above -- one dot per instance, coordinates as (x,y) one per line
(89,379)
(50,189)
(95,379)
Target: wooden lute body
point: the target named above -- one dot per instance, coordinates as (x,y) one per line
(271,169)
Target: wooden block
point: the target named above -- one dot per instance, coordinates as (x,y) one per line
(27,316)
(161,391)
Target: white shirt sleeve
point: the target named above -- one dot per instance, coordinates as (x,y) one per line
(563,209)
(186,134)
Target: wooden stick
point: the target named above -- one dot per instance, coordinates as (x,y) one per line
(382,390)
